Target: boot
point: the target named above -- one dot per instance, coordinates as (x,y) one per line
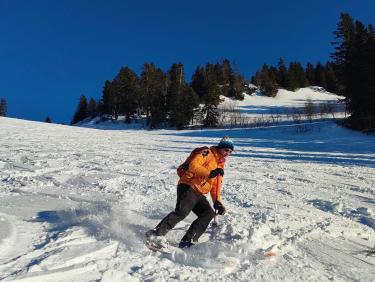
(185,244)
(154,240)
(151,233)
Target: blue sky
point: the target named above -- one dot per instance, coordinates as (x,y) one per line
(51,51)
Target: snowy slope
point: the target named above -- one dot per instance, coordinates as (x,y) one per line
(75,202)
(284,102)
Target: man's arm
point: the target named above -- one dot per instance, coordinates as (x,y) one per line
(196,166)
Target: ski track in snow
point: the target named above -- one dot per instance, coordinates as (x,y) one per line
(75,204)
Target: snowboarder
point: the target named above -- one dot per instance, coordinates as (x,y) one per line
(201,173)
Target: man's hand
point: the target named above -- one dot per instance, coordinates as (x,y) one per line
(220,208)
(216,172)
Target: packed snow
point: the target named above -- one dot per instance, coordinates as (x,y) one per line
(75,202)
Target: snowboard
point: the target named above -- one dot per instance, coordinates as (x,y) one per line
(224,263)
(161,247)
(158,244)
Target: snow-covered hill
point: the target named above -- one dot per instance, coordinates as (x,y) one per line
(75,203)
(285,101)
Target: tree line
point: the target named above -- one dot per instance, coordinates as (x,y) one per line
(166,98)
(270,78)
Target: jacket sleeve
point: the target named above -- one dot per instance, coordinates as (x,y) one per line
(196,166)
(216,187)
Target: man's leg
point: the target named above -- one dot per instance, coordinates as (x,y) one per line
(205,214)
(187,198)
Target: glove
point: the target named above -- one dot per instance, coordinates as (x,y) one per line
(216,172)
(220,208)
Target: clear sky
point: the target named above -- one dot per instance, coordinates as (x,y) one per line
(53,51)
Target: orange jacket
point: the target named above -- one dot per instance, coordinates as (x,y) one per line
(199,170)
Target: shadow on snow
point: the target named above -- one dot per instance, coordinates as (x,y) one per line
(323,142)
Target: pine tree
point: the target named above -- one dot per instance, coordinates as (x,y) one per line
(3,107)
(263,78)
(237,87)
(362,81)
(296,77)
(282,74)
(320,76)
(189,102)
(211,114)
(81,112)
(267,81)
(198,82)
(181,98)
(109,100)
(330,78)
(225,77)
(354,60)
(146,83)
(233,84)
(92,108)
(211,98)
(256,79)
(344,36)
(99,107)
(310,73)
(154,85)
(210,108)
(127,90)
(226,73)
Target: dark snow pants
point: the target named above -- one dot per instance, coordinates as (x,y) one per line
(188,200)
